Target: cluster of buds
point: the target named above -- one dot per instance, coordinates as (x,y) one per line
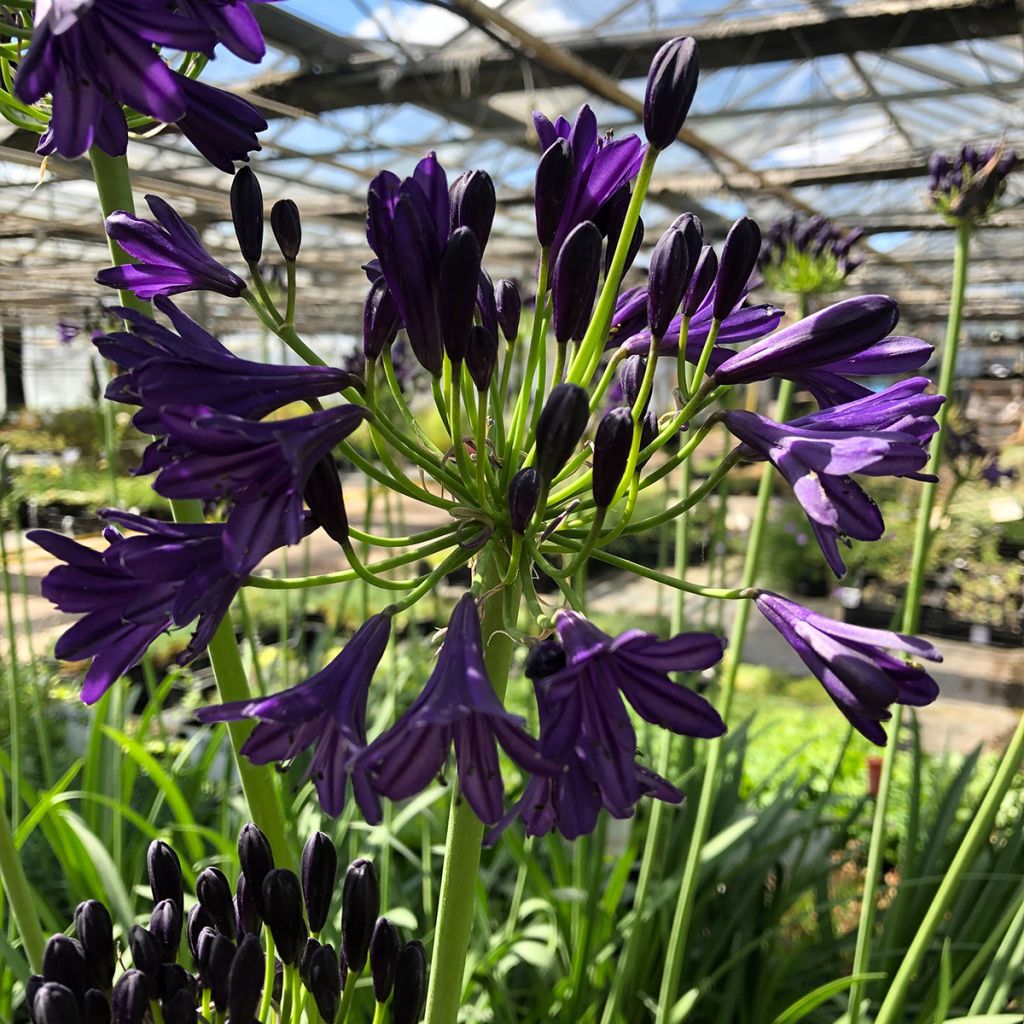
(966,185)
(808,256)
(969,459)
(233,979)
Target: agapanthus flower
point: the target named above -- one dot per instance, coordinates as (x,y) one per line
(326,714)
(67,331)
(164,575)
(805,256)
(232,22)
(853,663)
(171,255)
(966,185)
(457,705)
(879,435)
(159,366)
(993,474)
(262,468)
(600,166)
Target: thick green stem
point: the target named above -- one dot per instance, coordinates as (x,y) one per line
(911,613)
(465,833)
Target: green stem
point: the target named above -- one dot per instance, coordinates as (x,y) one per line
(268,980)
(289,312)
(465,833)
(14,683)
(911,613)
(679,932)
(19,896)
(347,995)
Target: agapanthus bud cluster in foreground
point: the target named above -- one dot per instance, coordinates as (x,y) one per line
(808,256)
(246,952)
(539,469)
(966,185)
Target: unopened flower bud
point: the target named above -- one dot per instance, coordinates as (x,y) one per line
(574,282)
(217,954)
(247,214)
(481,356)
(130,1001)
(247,916)
(630,379)
(693,235)
(473,203)
(55,1003)
(523,492)
(304,960)
(739,257)
(610,220)
(325,981)
(64,962)
(213,890)
(410,993)
(380,319)
(554,176)
(206,936)
(360,904)
(319,872)
(172,979)
(510,308)
(287,228)
(671,85)
(165,926)
(96,1007)
(544,659)
(32,986)
(164,871)
(324,497)
(666,281)
(384,947)
(198,919)
(181,1008)
(701,280)
(245,981)
(95,932)
(560,426)
(147,951)
(256,859)
(612,442)
(459,279)
(282,910)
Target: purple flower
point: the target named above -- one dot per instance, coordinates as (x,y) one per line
(458,704)
(232,22)
(599,167)
(813,253)
(261,467)
(67,331)
(966,185)
(325,713)
(160,366)
(171,254)
(993,474)
(879,435)
(163,576)
(853,663)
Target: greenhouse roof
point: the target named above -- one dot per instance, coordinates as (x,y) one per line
(806,105)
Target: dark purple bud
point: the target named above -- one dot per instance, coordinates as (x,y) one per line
(319,873)
(217,954)
(95,932)
(574,282)
(630,379)
(164,871)
(287,228)
(380,319)
(256,860)
(245,981)
(323,495)
(325,981)
(610,220)
(648,432)
(203,943)
(693,235)
(666,281)
(96,1008)
(147,951)
(360,905)
(612,442)
(544,659)
(384,947)
(307,955)
(64,962)
(181,1008)
(560,426)
(198,919)
(165,925)
(460,273)
(523,492)
(739,257)
(172,979)
(631,252)
(32,986)
(410,984)
(671,85)
(247,916)
(247,214)
(481,356)
(55,1004)
(213,890)
(510,308)
(554,176)
(701,280)
(485,303)
(130,1001)
(473,203)
(282,910)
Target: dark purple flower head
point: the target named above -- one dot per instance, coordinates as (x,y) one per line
(326,714)
(247,214)
(458,703)
(380,319)
(164,575)
(599,168)
(509,307)
(853,663)
(221,125)
(523,493)
(612,443)
(473,202)
(807,256)
(671,86)
(171,255)
(67,331)
(232,22)
(574,282)
(262,468)
(459,278)
(966,185)
(554,179)
(560,426)
(993,474)
(667,280)
(286,224)
(736,264)
(481,356)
